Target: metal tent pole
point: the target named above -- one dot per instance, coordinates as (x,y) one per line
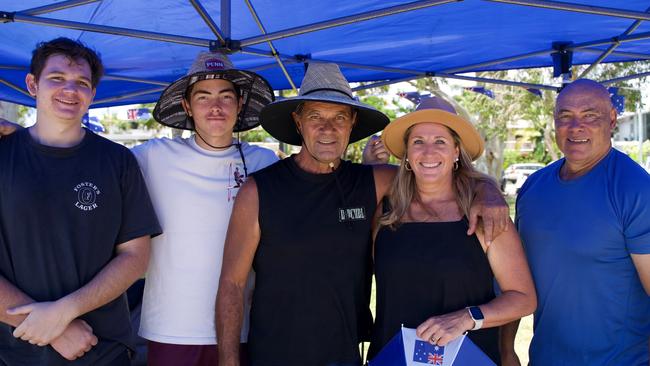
(226,18)
(616,53)
(15,87)
(273,50)
(343,21)
(611,48)
(208,20)
(579,8)
(57,6)
(17,17)
(126,96)
(497,61)
(134,80)
(624,78)
(496,81)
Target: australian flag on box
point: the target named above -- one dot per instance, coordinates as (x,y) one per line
(405,349)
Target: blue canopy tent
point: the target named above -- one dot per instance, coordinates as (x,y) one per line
(147,44)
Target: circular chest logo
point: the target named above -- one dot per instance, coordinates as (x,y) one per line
(87,195)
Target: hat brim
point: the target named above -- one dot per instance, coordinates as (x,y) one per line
(393,135)
(255,91)
(278,122)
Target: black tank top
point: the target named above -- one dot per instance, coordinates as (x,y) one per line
(313,265)
(427,269)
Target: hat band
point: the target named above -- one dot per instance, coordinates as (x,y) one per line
(329,89)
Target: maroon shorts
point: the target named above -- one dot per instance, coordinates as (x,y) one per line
(165,354)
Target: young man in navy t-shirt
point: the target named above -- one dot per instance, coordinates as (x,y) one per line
(75,224)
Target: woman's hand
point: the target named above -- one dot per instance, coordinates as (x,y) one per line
(442,329)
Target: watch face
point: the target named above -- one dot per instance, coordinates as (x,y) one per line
(476,312)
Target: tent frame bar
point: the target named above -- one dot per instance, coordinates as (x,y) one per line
(226,18)
(459,77)
(625,78)
(611,48)
(573,47)
(497,61)
(126,96)
(387,82)
(209,21)
(57,6)
(617,53)
(15,87)
(290,32)
(134,80)
(579,8)
(497,81)
(201,42)
(274,52)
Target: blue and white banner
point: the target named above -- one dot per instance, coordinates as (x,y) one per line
(406,349)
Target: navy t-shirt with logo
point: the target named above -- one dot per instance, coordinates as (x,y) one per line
(62,213)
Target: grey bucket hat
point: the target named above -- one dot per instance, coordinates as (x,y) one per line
(322,83)
(254,90)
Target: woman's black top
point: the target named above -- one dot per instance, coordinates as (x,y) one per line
(426,269)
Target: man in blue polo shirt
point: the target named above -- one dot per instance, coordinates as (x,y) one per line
(585,224)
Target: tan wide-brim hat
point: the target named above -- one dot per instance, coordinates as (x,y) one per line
(323,82)
(433,110)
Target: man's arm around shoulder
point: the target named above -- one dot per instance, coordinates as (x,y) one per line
(241,244)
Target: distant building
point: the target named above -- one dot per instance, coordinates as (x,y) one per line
(520,136)
(628,127)
(9,111)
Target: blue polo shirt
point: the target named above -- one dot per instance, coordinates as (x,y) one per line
(578,236)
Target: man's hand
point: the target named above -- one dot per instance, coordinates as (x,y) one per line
(493,210)
(75,341)
(7,128)
(375,152)
(45,321)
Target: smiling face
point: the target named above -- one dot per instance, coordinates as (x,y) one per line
(431,152)
(63,91)
(325,129)
(214,105)
(584,120)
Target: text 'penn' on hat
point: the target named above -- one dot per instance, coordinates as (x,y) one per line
(323,82)
(254,90)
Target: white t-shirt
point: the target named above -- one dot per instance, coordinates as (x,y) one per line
(193,191)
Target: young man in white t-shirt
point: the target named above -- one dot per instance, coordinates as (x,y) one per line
(193,183)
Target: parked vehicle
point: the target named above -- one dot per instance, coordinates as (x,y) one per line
(516,174)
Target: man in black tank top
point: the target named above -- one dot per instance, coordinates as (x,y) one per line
(304,225)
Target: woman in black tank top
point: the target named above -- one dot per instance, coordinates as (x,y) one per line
(430,274)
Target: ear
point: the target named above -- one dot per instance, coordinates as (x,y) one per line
(457,152)
(294,115)
(186,107)
(240,105)
(32,86)
(612,118)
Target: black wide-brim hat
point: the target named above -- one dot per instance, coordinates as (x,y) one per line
(254,90)
(322,83)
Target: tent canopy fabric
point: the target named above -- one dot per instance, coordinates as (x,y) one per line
(145,45)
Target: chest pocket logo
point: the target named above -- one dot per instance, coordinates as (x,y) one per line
(352,214)
(236,179)
(87,196)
